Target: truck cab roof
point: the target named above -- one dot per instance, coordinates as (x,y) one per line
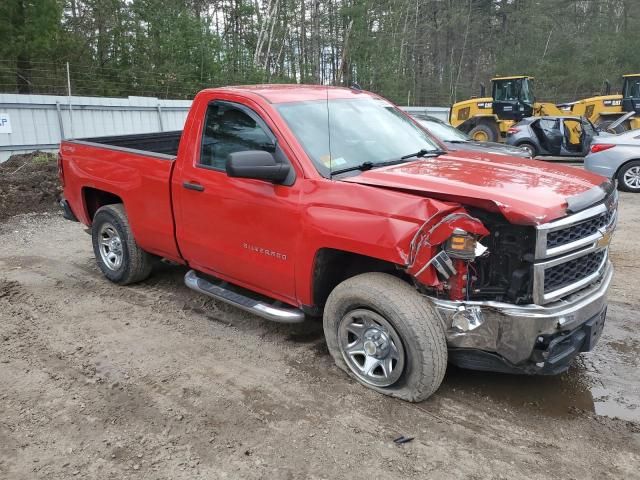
(278,93)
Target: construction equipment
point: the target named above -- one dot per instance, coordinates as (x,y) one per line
(489,118)
(617,112)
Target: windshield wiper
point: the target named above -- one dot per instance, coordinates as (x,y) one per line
(363,166)
(424,152)
(368,166)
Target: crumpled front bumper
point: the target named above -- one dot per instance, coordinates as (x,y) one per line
(527,338)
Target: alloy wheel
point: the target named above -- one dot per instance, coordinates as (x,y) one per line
(632,178)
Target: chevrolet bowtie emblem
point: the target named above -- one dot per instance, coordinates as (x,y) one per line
(605,240)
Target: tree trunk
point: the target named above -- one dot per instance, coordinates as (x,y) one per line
(23,59)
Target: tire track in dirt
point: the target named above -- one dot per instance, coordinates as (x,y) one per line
(199,388)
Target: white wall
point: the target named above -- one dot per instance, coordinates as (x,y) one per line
(39,122)
(441,113)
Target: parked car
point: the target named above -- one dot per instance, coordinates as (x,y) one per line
(412,256)
(553,135)
(455,140)
(617,157)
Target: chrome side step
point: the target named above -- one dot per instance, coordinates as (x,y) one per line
(220,290)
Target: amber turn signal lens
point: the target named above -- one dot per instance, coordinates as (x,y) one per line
(461,245)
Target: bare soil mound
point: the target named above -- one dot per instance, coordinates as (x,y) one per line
(29,183)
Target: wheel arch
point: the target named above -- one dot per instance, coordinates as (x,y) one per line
(332,266)
(94,198)
(624,164)
(527,141)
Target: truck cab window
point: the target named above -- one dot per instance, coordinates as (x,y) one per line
(228,129)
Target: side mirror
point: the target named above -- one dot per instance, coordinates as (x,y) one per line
(256,164)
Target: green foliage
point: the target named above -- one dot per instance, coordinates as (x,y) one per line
(42,158)
(418,52)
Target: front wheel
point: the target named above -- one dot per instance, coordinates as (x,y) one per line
(386,335)
(629,177)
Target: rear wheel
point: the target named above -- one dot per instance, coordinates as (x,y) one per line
(629,177)
(387,336)
(118,255)
(530,148)
(484,133)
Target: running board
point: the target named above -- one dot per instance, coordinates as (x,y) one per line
(221,290)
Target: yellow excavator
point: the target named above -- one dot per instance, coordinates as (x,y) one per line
(617,112)
(488,118)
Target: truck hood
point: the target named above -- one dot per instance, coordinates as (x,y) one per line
(526,192)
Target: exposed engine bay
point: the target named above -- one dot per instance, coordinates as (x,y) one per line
(475,255)
(506,273)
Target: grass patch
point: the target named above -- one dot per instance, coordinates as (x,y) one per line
(41,158)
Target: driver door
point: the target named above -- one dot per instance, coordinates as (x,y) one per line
(588,134)
(241,230)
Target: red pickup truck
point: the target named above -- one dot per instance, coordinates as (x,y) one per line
(293,201)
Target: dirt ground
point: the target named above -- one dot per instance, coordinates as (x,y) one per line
(155,381)
(28,183)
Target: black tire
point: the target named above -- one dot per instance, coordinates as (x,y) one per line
(135,264)
(414,319)
(490,131)
(633,166)
(530,147)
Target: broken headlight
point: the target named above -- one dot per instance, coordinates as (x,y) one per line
(463,246)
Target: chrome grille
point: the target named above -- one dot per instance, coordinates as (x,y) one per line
(579,230)
(572,271)
(576,231)
(572,253)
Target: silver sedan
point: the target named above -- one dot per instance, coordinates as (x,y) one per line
(617,157)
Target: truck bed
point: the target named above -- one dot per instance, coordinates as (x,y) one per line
(136,169)
(161,143)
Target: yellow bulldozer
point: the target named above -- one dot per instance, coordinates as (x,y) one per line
(617,112)
(488,118)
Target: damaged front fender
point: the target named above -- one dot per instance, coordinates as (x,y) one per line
(427,239)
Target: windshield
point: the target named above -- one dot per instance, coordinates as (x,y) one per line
(513,90)
(444,132)
(362,130)
(505,90)
(631,87)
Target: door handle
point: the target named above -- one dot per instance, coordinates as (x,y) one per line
(193,186)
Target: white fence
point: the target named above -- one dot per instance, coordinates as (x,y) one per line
(441,113)
(39,122)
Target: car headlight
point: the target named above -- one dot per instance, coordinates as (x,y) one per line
(464,246)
